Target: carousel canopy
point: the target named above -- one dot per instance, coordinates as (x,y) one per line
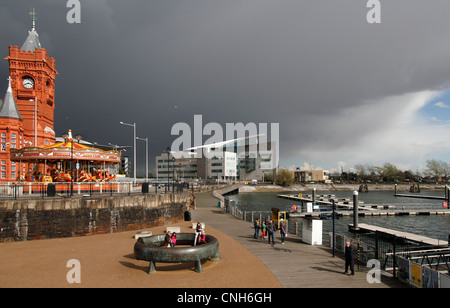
(65,150)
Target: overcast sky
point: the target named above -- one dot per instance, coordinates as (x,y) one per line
(342,90)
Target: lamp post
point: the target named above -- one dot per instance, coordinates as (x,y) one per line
(146,156)
(134,146)
(35,119)
(168,172)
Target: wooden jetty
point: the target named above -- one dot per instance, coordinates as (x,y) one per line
(373,212)
(340,203)
(344,207)
(409,236)
(421,196)
(443,198)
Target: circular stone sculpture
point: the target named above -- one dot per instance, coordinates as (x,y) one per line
(151,248)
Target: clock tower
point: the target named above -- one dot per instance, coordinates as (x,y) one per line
(33,74)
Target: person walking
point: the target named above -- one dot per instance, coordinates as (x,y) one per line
(257,227)
(349,259)
(283,232)
(271,228)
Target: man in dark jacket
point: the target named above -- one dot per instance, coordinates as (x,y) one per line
(271,228)
(349,259)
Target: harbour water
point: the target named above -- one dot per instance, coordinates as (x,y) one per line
(434,226)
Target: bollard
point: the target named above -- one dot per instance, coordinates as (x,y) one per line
(448,194)
(314,196)
(355,210)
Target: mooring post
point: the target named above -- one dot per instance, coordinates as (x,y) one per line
(447,194)
(314,196)
(395,189)
(355,210)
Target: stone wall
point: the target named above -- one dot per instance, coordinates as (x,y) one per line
(54,217)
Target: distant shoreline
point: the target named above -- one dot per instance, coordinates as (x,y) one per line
(403,187)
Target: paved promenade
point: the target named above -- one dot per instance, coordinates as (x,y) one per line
(108,261)
(295,264)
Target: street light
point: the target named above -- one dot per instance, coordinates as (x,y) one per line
(35,120)
(146,156)
(134,142)
(168,172)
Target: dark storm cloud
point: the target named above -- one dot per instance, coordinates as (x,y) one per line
(302,64)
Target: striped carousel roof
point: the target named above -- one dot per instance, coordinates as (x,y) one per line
(63,151)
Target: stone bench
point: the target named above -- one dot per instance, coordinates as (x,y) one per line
(152,249)
(173,229)
(142,234)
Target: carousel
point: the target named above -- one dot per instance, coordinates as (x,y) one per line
(67,161)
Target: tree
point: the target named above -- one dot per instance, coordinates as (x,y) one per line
(391,172)
(285,177)
(436,168)
(361,171)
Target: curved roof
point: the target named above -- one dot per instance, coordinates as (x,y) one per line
(64,151)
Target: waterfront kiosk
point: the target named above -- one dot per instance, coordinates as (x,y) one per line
(312,231)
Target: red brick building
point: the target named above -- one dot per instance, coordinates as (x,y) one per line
(26,113)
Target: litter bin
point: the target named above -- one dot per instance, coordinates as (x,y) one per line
(51,190)
(145,188)
(187,216)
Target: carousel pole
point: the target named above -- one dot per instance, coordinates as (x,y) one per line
(71,162)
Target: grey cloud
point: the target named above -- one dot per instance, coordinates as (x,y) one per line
(297,63)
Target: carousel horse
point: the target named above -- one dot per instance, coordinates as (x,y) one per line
(85,177)
(61,177)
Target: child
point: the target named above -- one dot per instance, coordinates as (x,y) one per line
(263,229)
(174,239)
(202,238)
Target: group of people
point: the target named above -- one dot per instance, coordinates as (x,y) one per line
(170,239)
(268,229)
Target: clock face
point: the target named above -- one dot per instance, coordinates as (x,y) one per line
(28,83)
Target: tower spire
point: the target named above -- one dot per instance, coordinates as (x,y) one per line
(32,41)
(33,18)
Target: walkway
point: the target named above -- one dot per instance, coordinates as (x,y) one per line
(107,260)
(295,264)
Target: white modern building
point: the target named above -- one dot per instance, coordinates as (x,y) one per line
(238,162)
